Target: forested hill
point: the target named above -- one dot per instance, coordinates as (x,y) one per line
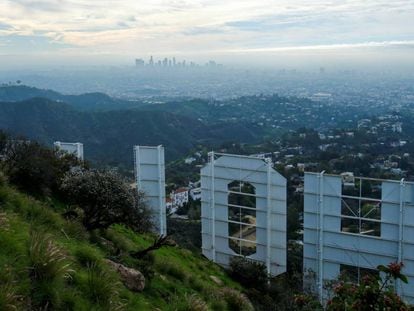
(86,102)
(109,127)
(109,136)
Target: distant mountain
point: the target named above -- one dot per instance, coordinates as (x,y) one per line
(84,102)
(108,136)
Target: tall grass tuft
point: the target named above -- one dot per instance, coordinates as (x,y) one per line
(74,229)
(48,270)
(87,255)
(189,303)
(4,222)
(9,299)
(102,287)
(236,301)
(48,261)
(195,303)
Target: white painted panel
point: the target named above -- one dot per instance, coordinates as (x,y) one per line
(150,178)
(216,176)
(354,249)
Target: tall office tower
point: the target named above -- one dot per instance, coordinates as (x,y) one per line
(139,62)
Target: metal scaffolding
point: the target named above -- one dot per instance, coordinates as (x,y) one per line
(360,223)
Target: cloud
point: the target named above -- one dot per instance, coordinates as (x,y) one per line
(48,6)
(4,26)
(408,43)
(204,30)
(207,25)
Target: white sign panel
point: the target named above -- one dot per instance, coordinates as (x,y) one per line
(352,225)
(150,178)
(243,211)
(72,148)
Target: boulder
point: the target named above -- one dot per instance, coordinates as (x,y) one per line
(216,280)
(132,278)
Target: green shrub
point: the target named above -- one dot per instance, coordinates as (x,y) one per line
(372,293)
(187,233)
(249,273)
(105,199)
(35,168)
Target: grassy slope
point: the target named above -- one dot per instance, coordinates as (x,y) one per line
(179,275)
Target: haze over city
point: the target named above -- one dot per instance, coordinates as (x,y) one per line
(43,34)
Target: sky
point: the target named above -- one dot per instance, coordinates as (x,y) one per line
(119,30)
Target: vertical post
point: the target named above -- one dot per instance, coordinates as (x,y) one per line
(160,191)
(269,214)
(320,231)
(212,206)
(401,231)
(137,165)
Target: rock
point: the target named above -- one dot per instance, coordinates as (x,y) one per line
(132,279)
(216,280)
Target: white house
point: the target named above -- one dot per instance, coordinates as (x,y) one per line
(180,197)
(195,193)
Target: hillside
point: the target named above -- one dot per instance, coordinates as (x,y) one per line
(83,102)
(109,136)
(47,258)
